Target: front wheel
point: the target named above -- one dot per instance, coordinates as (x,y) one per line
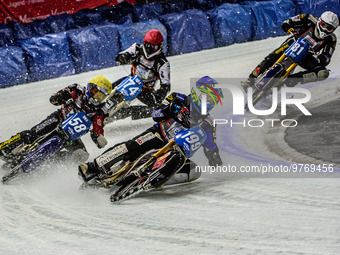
(269,80)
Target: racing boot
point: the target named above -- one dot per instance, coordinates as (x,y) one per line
(88,171)
(188,173)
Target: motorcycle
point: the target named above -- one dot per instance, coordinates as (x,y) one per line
(153,169)
(275,76)
(29,157)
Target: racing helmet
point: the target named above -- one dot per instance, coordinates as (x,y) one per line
(98,89)
(327,24)
(153,43)
(206,85)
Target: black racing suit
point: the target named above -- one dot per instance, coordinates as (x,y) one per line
(169,120)
(150,71)
(72,99)
(317,59)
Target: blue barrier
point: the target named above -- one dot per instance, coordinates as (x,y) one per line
(135,32)
(268,16)
(203,5)
(35,28)
(317,7)
(264,19)
(87,17)
(284,9)
(13,69)
(188,31)
(94,48)
(119,14)
(172,6)
(230,24)
(6,35)
(47,56)
(149,11)
(61,23)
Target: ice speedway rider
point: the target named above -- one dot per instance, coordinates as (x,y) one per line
(172,112)
(73,98)
(149,63)
(319,32)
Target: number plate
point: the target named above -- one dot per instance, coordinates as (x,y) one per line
(77,125)
(191,140)
(298,50)
(130,87)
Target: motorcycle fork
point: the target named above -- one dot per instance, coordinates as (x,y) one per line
(288,70)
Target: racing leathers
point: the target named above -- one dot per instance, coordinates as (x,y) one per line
(72,99)
(318,57)
(170,117)
(150,71)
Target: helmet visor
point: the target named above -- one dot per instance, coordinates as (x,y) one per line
(150,48)
(327,28)
(99,94)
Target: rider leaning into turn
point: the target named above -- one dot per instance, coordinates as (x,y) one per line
(149,63)
(169,116)
(72,99)
(319,32)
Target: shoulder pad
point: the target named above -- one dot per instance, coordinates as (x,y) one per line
(313,19)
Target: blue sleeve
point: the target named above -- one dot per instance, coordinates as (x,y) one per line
(209,144)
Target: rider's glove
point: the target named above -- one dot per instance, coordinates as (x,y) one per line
(60,97)
(215,159)
(123,58)
(293,32)
(213,156)
(183,117)
(161,93)
(99,140)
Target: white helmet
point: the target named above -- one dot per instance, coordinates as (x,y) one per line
(327,24)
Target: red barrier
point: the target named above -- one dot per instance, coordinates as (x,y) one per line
(25,11)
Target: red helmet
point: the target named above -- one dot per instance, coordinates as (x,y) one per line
(153,43)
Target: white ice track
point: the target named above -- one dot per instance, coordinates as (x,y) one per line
(46,213)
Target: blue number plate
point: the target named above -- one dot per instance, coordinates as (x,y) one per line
(130,87)
(298,50)
(76,125)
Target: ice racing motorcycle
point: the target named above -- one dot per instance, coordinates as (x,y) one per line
(152,169)
(275,76)
(29,157)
